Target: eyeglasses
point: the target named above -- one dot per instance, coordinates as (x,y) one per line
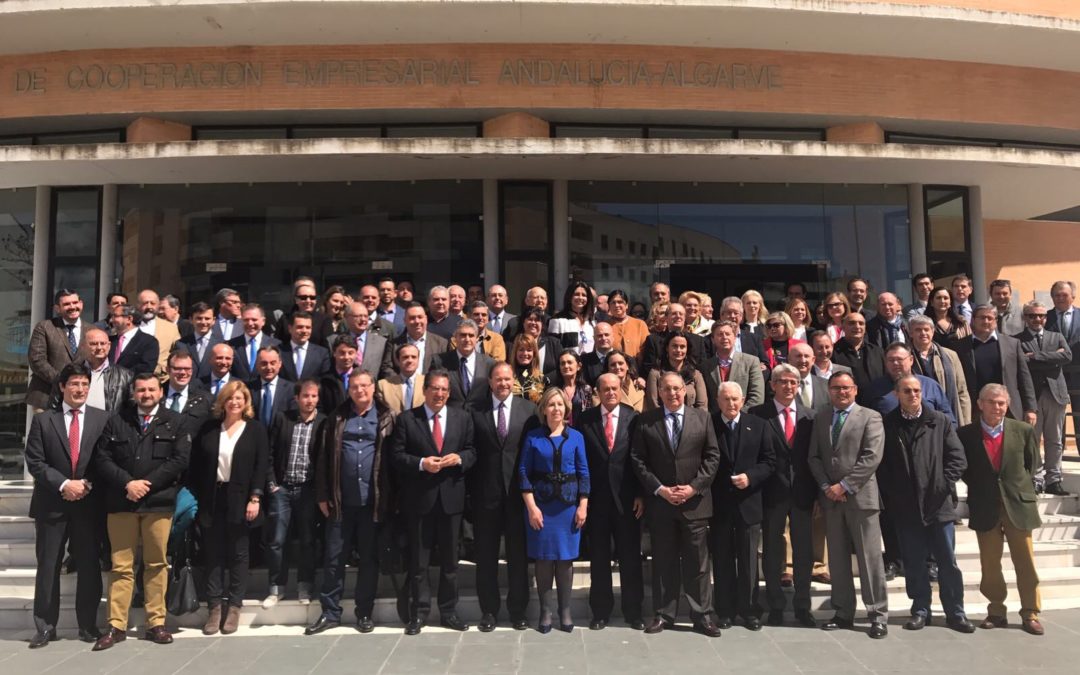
(175,369)
(841,387)
(1041,317)
(307,297)
(834,304)
(774,325)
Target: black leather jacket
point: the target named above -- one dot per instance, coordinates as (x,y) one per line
(117,389)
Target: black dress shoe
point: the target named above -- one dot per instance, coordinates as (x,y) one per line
(805,618)
(41,639)
(707,628)
(776,617)
(453,623)
(89,635)
(364,624)
(413,627)
(657,625)
(636,624)
(960,624)
(724,622)
(836,623)
(598,624)
(108,639)
(321,624)
(487,623)
(932,572)
(917,622)
(752,623)
(1057,489)
(891,571)
(878,630)
(519,623)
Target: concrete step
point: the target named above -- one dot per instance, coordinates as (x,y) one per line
(16,527)
(15,498)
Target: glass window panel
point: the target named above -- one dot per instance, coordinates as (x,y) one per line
(521,275)
(76,223)
(17,140)
(526,211)
(76,138)
(16,265)
(433,131)
(240,134)
(689,132)
(588,131)
(783,134)
(337,132)
(945,220)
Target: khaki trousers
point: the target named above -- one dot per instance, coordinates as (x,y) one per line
(126,530)
(991,548)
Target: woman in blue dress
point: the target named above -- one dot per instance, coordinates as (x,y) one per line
(554,477)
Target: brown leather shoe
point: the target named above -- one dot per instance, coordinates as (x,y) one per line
(994,622)
(213,621)
(108,639)
(232,621)
(158,635)
(821,578)
(1033,626)
(657,625)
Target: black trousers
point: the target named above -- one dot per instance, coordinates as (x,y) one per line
(604,527)
(735,568)
(81,528)
(425,531)
(226,547)
(680,551)
(356,530)
(504,523)
(774,554)
(890,539)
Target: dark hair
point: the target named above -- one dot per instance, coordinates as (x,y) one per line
(854,279)
(171,301)
(384,278)
(142,377)
(64,292)
(800,284)
(223,294)
(179,351)
(532,313)
(579,379)
(842,373)
(953,313)
(414,304)
(299,314)
(1000,283)
(962,277)
(329,293)
(108,298)
(267,348)
(198,308)
(590,302)
(73,370)
(128,311)
(631,371)
(403,345)
(618,293)
(810,337)
(342,339)
(433,373)
(298,388)
(689,363)
(919,277)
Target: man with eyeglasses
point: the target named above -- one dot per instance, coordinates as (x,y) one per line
(1010,319)
(183,395)
(1046,353)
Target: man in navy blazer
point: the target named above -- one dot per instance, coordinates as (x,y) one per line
(616,505)
(60,448)
(271,385)
(431,449)
(130,347)
(469,381)
(199,342)
(247,345)
(313,360)
(388,309)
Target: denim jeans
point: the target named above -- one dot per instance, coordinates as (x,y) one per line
(291,504)
(916,543)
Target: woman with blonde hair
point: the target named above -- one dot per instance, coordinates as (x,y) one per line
(754,311)
(801,319)
(227,473)
(696,323)
(554,478)
(778,331)
(529,381)
(658,318)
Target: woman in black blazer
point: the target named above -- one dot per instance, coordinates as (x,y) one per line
(229,458)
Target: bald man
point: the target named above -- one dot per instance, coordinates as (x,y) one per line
(165,332)
(888,325)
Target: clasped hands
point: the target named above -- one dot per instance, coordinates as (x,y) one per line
(677,494)
(836,492)
(137,489)
(437,464)
(75,489)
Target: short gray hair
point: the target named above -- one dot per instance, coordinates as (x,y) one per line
(730,384)
(467,323)
(993,389)
(1034,304)
(919,320)
(786,369)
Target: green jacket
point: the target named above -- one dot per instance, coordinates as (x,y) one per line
(1012,486)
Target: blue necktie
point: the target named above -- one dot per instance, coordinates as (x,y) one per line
(267,404)
(71,338)
(465,384)
(496,324)
(408,393)
(251,355)
(299,363)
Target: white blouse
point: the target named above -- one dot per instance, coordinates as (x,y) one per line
(226,447)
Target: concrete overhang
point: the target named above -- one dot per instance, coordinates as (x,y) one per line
(1016,184)
(847,27)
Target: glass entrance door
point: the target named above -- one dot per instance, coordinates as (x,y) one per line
(525,238)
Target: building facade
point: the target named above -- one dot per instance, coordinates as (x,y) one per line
(713,144)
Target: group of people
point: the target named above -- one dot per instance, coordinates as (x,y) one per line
(807,434)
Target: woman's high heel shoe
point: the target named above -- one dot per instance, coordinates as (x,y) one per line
(566,627)
(543,629)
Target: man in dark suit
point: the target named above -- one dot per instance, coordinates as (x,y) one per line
(790,493)
(181,394)
(845,450)
(60,447)
(431,449)
(652,352)
(54,343)
(246,347)
(499,422)
(467,367)
(271,391)
(388,309)
(143,452)
(301,357)
(441,321)
(1001,458)
(374,353)
(748,451)
(416,333)
(169,309)
(334,387)
(616,505)
(887,326)
(131,348)
(221,363)
(369,298)
(306,299)
(866,360)
(922,462)
(497,301)
(199,341)
(1065,319)
(675,455)
(592,363)
(228,304)
(746,341)
(1047,353)
(991,358)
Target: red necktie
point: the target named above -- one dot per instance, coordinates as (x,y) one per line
(609,433)
(789,425)
(436,433)
(119,347)
(73,440)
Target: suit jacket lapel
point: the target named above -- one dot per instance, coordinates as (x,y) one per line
(58,425)
(844,430)
(91,430)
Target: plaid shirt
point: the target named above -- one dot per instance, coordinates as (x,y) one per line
(298,466)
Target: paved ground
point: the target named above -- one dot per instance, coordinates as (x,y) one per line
(283,650)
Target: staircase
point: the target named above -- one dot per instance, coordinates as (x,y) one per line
(1057,558)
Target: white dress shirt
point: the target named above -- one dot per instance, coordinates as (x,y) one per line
(226,447)
(431,415)
(181,399)
(495,409)
(77,332)
(149,327)
(299,354)
(613,414)
(421,346)
(82,431)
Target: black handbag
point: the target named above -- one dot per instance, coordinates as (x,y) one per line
(183,594)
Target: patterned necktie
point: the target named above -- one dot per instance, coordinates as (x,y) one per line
(725,369)
(145,423)
(436,432)
(789,425)
(73,440)
(267,404)
(251,354)
(71,339)
(501,426)
(465,384)
(838,425)
(496,323)
(676,430)
(175,405)
(609,431)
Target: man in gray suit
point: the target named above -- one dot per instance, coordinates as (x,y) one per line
(729,365)
(989,357)
(675,454)
(1010,319)
(813,390)
(416,333)
(1065,319)
(1046,353)
(373,355)
(55,343)
(846,448)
